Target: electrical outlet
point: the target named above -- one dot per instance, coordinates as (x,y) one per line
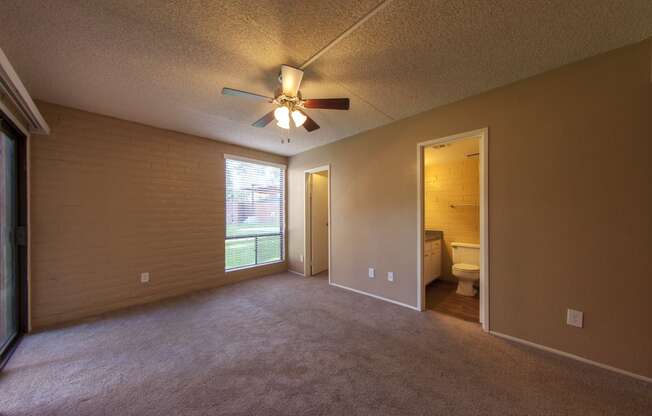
(390,276)
(372,273)
(144,277)
(574,318)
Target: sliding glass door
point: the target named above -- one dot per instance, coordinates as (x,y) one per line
(13,237)
(9,285)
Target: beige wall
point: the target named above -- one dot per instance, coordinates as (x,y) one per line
(111,199)
(569,205)
(446,183)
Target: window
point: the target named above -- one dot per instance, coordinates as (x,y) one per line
(255,213)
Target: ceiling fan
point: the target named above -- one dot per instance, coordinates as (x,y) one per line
(290,103)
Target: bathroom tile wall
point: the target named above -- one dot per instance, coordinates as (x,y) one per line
(454,182)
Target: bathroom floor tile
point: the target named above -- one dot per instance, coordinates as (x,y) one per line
(441,297)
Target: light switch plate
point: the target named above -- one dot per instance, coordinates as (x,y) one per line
(301,258)
(574,318)
(372,273)
(390,276)
(144,277)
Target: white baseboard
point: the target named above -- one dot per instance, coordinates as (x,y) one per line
(573,356)
(297,273)
(405,305)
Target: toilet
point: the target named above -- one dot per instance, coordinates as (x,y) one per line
(466,267)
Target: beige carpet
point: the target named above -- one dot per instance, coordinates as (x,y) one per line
(285,345)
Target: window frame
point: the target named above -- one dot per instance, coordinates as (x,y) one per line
(283,229)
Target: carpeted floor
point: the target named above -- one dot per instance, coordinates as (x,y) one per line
(286,345)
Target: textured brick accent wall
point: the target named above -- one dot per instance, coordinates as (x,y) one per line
(111,199)
(454,182)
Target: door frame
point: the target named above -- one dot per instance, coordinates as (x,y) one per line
(483,136)
(18,134)
(307,258)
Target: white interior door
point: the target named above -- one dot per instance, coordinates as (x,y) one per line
(319,222)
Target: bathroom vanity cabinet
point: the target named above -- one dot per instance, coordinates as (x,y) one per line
(431,259)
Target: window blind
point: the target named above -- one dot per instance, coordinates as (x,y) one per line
(255,213)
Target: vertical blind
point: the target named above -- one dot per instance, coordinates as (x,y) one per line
(255,213)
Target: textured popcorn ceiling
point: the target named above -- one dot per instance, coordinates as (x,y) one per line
(164,65)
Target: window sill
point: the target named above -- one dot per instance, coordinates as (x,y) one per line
(253,266)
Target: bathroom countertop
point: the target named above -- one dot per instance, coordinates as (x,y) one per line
(433,235)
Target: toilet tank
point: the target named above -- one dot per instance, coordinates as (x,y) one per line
(466,253)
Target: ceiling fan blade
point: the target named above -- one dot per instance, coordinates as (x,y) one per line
(291,78)
(309,124)
(239,93)
(328,103)
(264,120)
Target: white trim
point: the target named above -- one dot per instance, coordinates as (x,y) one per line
(573,356)
(395,302)
(297,273)
(483,135)
(12,86)
(484,230)
(306,220)
(318,169)
(257,161)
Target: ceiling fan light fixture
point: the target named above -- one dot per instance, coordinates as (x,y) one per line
(282,115)
(299,118)
(284,124)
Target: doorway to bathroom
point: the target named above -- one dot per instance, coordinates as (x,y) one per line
(317,222)
(452,240)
